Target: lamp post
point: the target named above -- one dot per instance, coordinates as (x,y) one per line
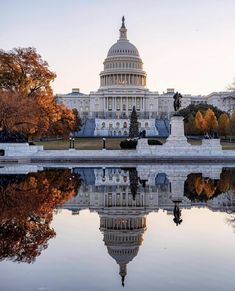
(104,139)
(70,142)
(73,146)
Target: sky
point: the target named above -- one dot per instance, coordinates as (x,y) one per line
(188,45)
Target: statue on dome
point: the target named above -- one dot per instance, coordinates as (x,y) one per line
(123,21)
(177,101)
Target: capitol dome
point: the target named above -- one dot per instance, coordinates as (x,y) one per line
(123,47)
(123,65)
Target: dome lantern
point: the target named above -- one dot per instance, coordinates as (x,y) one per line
(123,30)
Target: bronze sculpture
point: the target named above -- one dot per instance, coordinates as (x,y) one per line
(177,101)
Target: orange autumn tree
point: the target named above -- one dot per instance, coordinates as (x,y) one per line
(224,124)
(198,188)
(200,122)
(211,122)
(232,123)
(26,211)
(27,104)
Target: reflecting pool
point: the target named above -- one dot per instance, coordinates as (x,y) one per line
(149,227)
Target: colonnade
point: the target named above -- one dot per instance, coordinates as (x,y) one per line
(123,200)
(123,223)
(123,79)
(124,103)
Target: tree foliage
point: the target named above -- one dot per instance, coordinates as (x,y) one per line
(134,127)
(211,121)
(200,122)
(232,123)
(224,124)
(192,110)
(26,98)
(26,211)
(198,188)
(134,181)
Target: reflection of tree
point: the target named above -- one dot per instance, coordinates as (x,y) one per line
(26,211)
(133,176)
(198,188)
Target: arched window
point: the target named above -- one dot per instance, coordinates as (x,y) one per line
(103,125)
(125,133)
(117,124)
(146,124)
(119,133)
(125,124)
(110,125)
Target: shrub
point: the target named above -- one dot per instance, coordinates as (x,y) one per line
(128,144)
(154,142)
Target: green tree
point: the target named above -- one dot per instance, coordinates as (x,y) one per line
(224,124)
(134,127)
(134,180)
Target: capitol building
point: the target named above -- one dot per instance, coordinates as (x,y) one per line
(123,85)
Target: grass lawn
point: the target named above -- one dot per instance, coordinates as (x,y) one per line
(82,144)
(111,144)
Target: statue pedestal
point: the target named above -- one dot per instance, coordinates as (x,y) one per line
(177,137)
(143,146)
(19,149)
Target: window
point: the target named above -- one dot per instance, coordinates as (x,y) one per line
(125,124)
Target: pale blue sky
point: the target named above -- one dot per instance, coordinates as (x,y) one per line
(185,44)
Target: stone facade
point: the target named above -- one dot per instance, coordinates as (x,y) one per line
(120,127)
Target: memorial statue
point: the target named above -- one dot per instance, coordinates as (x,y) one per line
(177,101)
(177,214)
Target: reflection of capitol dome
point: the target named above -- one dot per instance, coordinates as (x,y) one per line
(123,236)
(123,65)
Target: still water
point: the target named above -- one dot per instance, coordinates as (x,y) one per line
(153,227)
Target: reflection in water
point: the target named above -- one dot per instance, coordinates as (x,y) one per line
(26,211)
(122,197)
